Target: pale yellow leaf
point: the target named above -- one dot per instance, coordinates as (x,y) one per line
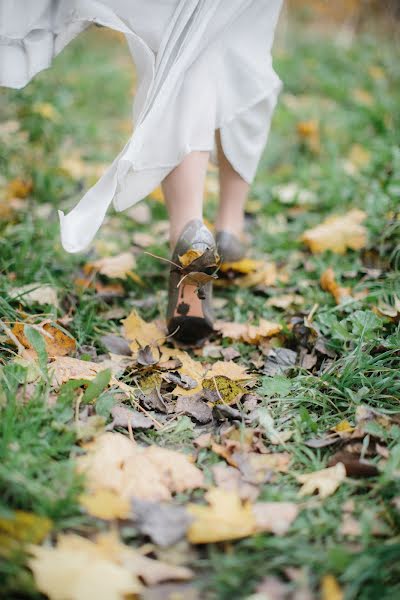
(32,293)
(141,333)
(251,334)
(329,284)
(115,463)
(226,518)
(105,504)
(338,233)
(330,588)
(189,256)
(228,369)
(119,266)
(325,482)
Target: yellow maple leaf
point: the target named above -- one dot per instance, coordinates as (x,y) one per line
(325,481)
(141,333)
(105,504)
(338,233)
(226,518)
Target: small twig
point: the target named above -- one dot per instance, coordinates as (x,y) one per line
(312,312)
(131,432)
(218,392)
(164,259)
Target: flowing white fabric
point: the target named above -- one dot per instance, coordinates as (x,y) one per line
(202,65)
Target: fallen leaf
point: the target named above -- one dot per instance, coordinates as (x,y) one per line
(120,266)
(225,390)
(325,482)
(125,417)
(165,524)
(65,368)
(194,407)
(32,293)
(116,344)
(57,342)
(362,97)
(308,132)
(275,517)
(18,188)
(231,480)
(46,110)
(114,462)
(22,528)
(226,518)
(189,368)
(259,468)
(189,256)
(251,334)
(338,233)
(330,589)
(78,568)
(279,361)
(142,334)
(284,301)
(105,504)
(228,369)
(329,284)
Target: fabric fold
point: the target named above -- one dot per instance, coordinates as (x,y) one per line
(201,65)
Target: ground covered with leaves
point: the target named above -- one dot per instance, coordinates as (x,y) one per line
(265,464)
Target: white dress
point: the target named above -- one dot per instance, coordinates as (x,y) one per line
(201,65)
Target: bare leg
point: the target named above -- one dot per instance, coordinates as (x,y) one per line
(183,190)
(233,195)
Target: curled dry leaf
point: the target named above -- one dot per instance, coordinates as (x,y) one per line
(325,482)
(189,256)
(338,233)
(57,342)
(189,368)
(329,284)
(114,462)
(119,266)
(251,334)
(194,407)
(142,334)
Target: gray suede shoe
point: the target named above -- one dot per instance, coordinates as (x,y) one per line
(189,314)
(229,247)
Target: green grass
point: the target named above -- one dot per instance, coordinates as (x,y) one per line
(90,90)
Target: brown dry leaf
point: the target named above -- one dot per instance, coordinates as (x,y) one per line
(275,517)
(330,589)
(338,233)
(114,462)
(329,284)
(251,334)
(120,266)
(141,333)
(325,482)
(78,569)
(22,528)
(228,369)
(258,468)
(57,342)
(189,256)
(105,504)
(226,518)
(18,188)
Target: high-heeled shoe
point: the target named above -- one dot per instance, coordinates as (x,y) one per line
(189,314)
(229,247)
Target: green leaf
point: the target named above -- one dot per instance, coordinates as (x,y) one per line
(96,386)
(104,405)
(36,340)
